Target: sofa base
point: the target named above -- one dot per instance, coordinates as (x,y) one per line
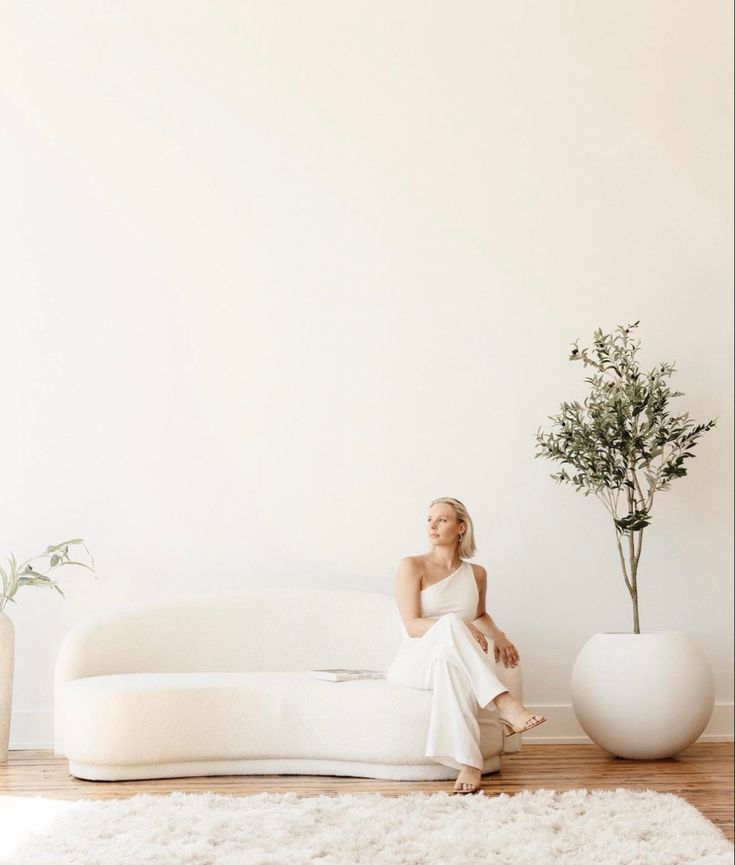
(342,768)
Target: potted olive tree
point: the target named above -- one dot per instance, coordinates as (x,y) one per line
(641,695)
(25,574)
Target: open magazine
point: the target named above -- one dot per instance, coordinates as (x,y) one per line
(342,675)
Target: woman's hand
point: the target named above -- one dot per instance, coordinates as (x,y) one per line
(478,635)
(505,649)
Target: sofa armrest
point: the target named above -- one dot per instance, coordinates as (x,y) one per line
(137,639)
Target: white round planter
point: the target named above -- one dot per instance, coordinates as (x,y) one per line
(642,696)
(7,657)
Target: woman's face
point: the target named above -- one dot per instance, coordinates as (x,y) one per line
(442,524)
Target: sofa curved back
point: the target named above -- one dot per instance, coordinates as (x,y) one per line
(254,630)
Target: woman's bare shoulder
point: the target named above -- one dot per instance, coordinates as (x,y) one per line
(480,572)
(408,575)
(411,564)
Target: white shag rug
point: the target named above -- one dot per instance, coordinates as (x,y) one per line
(575,827)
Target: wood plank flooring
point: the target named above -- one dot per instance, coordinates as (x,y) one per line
(703,775)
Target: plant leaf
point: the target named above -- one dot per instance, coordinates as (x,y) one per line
(55,547)
(81,565)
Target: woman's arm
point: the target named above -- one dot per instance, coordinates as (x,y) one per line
(484,621)
(408,596)
(502,646)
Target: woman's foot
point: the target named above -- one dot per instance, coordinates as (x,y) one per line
(515,716)
(468,780)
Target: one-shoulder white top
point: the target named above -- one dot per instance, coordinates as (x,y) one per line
(456,593)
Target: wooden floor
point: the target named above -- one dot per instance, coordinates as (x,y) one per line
(703,775)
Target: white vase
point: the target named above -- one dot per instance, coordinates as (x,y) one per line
(7,657)
(642,696)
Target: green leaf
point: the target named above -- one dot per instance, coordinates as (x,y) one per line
(33,581)
(35,574)
(63,544)
(13,576)
(81,565)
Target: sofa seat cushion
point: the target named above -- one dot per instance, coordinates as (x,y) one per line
(154,718)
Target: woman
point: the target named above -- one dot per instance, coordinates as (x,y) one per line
(439,597)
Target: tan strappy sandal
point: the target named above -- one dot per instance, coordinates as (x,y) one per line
(529,724)
(467,787)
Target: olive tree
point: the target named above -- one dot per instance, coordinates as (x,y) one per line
(623,443)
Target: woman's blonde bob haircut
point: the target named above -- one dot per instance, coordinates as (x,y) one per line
(467,546)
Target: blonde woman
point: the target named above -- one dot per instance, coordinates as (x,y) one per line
(440,596)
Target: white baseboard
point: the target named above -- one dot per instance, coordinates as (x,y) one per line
(34,731)
(563,728)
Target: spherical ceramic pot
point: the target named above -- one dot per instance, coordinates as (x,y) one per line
(7,657)
(642,696)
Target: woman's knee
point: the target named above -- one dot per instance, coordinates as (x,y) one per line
(455,623)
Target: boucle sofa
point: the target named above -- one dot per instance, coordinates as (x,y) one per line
(214,684)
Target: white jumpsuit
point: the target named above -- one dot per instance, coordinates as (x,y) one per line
(449,661)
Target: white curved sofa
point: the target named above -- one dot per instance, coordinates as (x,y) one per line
(215,684)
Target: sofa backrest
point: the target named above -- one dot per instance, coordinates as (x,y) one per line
(255,630)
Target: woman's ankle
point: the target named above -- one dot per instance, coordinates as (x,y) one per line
(504,700)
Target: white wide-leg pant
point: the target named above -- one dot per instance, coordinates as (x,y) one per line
(450,662)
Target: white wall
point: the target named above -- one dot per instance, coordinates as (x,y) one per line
(276,274)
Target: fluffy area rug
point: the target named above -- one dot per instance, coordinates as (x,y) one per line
(575,827)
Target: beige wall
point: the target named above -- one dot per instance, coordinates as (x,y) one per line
(277,274)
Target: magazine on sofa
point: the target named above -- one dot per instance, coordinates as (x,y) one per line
(342,675)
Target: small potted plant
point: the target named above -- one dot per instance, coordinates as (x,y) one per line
(25,574)
(640,695)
